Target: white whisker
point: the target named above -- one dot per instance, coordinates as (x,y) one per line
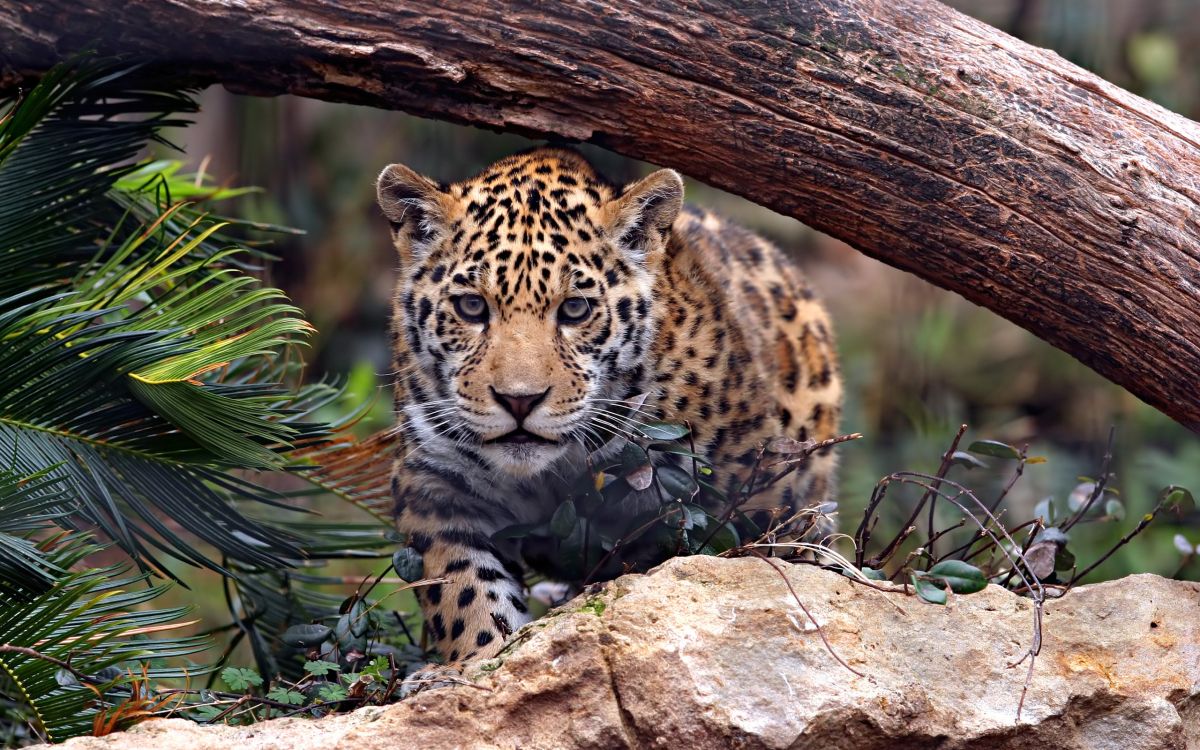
(631,424)
(440,429)
(612,426)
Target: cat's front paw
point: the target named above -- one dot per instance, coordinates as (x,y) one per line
(431,677)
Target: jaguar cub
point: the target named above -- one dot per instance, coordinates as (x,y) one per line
(532,299)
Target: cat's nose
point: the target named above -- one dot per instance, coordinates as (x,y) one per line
(519,405)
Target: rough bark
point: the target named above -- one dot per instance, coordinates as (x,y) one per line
(923,138)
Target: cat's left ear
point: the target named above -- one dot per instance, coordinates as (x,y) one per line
(640,218)
(416,208)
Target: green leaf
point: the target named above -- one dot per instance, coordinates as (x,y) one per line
(723,539)
(376,668)
(676,483)
(207,713)
(930,591)
(615,491)
(331,692)
(564,520)
(962,577)
(320,668)
(993,448)
(1039,559)
(306,636)
(1052,534)
(27,504)
(408,564)
(284,695)
(679,517)
(700,517)
(240,678)
(745,522)
(1064,559)
(963,458)
(351,628)
(1178,499)
(676,449)
(641,477)
(579,551)
(1114,509)
(663,431)
(874,575)
(635,467)
(1079,496)
(631,458)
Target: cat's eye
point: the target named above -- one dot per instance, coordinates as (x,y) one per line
(471,308)
(574,310)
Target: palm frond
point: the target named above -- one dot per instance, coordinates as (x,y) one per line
(356,470)
(147,387)
(26,504)
(65,651)
(136,354)
(62,147)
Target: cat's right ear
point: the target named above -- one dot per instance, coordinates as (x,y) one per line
(416,209)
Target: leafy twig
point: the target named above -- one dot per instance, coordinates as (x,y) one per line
(1146,520)
(964,551)
(1098,488)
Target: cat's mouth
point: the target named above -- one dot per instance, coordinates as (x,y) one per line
(521,436)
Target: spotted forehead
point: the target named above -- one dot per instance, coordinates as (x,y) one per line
(528,228)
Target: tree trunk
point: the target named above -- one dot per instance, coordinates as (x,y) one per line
(923,138)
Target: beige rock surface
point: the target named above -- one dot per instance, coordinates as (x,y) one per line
(710,653)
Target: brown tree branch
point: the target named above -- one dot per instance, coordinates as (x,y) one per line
(926,139)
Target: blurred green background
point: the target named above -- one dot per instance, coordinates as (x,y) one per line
(918,361)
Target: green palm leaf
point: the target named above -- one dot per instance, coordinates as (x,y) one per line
(26,505)
(355,470)
(136,354)
(92,621)
(62,149)
(146,386)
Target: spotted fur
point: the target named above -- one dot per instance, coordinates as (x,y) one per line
(710,320)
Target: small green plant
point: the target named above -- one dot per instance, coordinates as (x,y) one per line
(241,679)
(343,667)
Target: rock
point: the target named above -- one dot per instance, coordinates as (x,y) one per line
(712,653)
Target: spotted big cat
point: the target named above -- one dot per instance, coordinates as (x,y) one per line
(535,302)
